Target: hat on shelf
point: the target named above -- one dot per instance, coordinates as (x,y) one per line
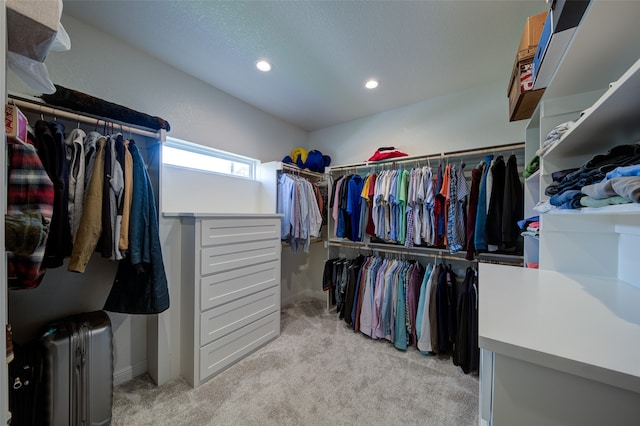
(385,152)
(312,160)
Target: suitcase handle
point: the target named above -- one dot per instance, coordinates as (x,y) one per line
(83,414)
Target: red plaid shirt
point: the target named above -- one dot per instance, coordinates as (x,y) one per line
(29,188)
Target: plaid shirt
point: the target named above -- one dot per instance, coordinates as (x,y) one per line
(29,188)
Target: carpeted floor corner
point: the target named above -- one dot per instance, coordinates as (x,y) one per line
(318,372)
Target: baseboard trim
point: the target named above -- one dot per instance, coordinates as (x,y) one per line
(129,373)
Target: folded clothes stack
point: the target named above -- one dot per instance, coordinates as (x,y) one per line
(554,136)
(611,178)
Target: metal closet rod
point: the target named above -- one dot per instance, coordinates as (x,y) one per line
(408,252)
(43,109)
(286,167)
(415,159)
(499,259)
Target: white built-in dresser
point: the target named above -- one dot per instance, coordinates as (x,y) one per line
(230,290)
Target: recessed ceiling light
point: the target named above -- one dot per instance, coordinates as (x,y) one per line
(263,65)
(371,84)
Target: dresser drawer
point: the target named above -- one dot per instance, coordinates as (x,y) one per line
(225,231)
(228,349)
(224,287)
(232,256)
(224,319)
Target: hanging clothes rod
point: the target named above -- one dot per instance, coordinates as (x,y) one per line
(289,168)
(495,258)
(415,159)
(36,107)
(421,252)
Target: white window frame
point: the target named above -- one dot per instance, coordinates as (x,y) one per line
(206,151)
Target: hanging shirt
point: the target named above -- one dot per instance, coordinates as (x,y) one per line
(286,186)
(402,205)
(460,207)
(30,193)
(354,204)
(423,337)
(480,239)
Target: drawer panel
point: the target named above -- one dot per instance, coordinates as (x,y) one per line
(224,287)
(224,319)
(225,351)
(225,231)
(233,256)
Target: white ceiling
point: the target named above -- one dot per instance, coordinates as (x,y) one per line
(323,51)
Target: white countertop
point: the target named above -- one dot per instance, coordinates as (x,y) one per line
(584,325)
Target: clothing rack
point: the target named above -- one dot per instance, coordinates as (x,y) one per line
(426,158)
(496,258)
(37,107)
(413,251)
(295,170)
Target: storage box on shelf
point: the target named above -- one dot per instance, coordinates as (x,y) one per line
(522,99)
(531,35)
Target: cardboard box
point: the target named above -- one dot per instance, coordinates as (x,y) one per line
(32,27)
(531,33)
(522,99)
(15,123)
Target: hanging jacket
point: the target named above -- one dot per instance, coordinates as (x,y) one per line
(513,205)
(51,149)
(116,193)
(123,243)
(74,145)
(494,212)
(476,175)
(90,226)
(140,286)
(480,238)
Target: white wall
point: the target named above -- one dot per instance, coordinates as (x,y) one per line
(464,120)
(187,190)
(107,68)
(301,274)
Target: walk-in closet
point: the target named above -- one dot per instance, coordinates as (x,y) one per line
(320,212)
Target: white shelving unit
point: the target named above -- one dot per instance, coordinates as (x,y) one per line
(571,330)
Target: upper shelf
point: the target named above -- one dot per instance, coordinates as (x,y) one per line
(612,120)
(616,209)
(603,47)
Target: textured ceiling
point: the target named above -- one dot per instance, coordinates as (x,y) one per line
(323,51)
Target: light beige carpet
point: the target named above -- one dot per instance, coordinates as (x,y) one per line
(318,372)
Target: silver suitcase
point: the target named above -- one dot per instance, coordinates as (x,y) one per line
(78,371)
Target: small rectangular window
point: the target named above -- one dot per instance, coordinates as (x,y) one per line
(179,153)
